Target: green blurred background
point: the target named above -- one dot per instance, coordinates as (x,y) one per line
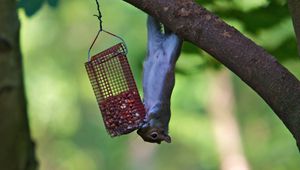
(67,125)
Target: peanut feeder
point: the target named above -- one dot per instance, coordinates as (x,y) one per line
(115,90)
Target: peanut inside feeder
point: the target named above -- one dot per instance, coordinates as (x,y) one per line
(115,89)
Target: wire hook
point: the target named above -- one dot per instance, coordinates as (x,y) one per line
(99,16)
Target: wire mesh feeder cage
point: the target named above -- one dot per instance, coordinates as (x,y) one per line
(115,89)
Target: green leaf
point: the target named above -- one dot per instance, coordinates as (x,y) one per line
(287,50)
(254,20)
(31,6)
(53,3)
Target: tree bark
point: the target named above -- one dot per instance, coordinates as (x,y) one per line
(260,70)
(294,7)
(16,146)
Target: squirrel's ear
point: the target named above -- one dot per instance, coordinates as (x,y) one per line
(167,138)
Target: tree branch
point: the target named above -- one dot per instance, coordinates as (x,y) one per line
(294,7)
(260,70)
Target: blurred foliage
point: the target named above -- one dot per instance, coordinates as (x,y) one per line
(32,6)
(64,117)
(257,19)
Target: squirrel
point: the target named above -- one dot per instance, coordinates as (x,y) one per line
(158,81)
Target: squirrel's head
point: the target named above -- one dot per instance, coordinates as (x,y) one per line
(154,134)
(155,126)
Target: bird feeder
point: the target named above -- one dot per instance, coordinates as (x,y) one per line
(115,90)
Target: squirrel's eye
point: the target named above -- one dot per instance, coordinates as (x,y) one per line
(154,135)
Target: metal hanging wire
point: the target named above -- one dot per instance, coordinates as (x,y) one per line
(99,16)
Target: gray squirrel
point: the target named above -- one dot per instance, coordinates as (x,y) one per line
(158,81)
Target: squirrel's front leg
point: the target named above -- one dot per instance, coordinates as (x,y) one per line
(158,81)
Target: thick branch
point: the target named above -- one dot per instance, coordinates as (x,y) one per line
(294,6)
(274,83)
